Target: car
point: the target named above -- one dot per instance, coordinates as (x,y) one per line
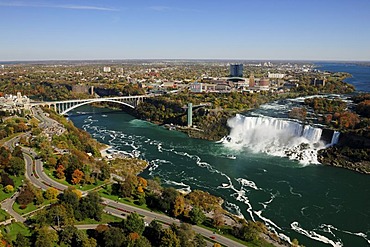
(212,237)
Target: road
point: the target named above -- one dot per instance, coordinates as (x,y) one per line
(41,180)
(120,209)
(7,205)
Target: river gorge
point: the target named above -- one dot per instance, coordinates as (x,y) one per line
(265,170)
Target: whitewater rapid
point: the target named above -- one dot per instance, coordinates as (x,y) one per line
(250,190)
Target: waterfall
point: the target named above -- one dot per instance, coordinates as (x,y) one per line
(335,138)
(275,137)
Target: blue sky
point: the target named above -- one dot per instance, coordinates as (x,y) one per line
(185,29)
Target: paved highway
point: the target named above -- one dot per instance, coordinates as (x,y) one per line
(41,180)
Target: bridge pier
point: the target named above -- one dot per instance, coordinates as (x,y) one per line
(190,114)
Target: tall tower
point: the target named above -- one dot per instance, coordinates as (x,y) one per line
(190,114)
(251,80)
(236,70)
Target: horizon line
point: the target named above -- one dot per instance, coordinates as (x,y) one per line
(184,59)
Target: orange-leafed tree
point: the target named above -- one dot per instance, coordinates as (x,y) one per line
(77,176)
(59,172)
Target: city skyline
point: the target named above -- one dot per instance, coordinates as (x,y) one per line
(245,30)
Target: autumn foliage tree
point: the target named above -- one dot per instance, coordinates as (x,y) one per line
(77,176)
(346,120)
(59,172)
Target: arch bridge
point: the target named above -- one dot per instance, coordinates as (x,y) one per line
(63,107)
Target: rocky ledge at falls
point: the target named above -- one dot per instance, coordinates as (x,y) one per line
(352,152)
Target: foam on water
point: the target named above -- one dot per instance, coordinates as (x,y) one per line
(233,208)
(186,188)
(315,236)
(245,182)
(266,220)
(240,188)
(329,228)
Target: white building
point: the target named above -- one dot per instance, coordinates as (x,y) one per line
(12,102)
(275,75)
(107,69)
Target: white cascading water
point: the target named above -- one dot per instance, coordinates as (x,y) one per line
(335,138)
(275,137)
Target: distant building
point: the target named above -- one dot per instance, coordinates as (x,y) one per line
(251,80)
(236,70)
(107,69)
(318,82)
(196,87)
(14,102)
(264,82)
(275,75)
(78,88)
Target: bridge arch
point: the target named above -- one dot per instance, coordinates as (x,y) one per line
(94,101)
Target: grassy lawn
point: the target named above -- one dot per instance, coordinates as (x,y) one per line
(50,173)
(18,181)
(30,207)
(4,195)
(106,218)
(2,141)
(256,243)
(13,229)
(3,215)
(129,201)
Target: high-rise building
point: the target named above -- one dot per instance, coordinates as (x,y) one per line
(236,70)
(251,80)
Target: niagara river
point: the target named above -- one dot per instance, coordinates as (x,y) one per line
(270,178)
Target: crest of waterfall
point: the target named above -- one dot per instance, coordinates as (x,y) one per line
(335,138)
(275,137)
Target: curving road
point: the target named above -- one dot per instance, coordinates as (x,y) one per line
(37,177)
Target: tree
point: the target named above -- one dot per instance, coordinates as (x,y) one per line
(5,156)
(77,176)
(51,162)
(295,243)
(8,189)
(133,223)
(113,237)
(38,199)
(69,197)
(249,231)
(60,215)
(46,237)
(89,242)
(169,196)
(90,207)
(21,241)
(51,193)
(6,180)
(186,235)
(104,171)
(197,216)
(199,241)
(178,205)
(16,166)
(59,172)
(17,152)
(218,219)
(68,235)
(169,239)
(26,196)
(142,242)
(153,232)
